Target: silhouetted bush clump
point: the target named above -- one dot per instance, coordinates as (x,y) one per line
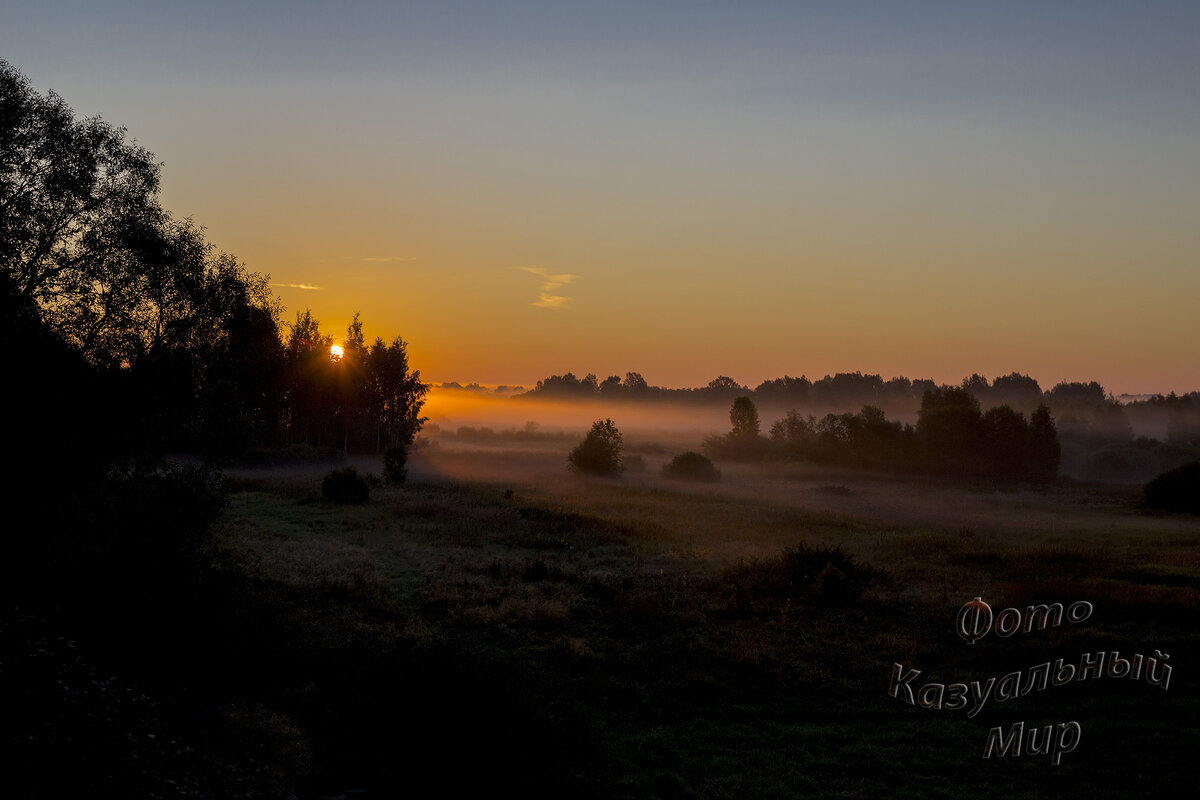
(158,510)
(394,459)
(1176,490)
(600,451)
(691,466)
(823,576)
(829,575)
(345,486)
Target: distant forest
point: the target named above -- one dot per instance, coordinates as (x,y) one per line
(847,390)
(1101,438)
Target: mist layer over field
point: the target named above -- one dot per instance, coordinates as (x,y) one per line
(450,409)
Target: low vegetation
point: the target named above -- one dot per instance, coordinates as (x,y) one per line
(394,459)
(586,639)
(345,486)
(1175,490)
(691,466)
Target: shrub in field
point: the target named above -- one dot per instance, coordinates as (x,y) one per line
(600,451)
(142,500)
(828,574)
(345,486)
(818,575)
(394,459)
(633,463)
(1176,490)
(691,466)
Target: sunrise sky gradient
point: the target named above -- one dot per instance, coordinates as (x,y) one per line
(682,189)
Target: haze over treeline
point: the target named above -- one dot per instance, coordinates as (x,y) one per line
(843,388)
(999,426)
(1082,407)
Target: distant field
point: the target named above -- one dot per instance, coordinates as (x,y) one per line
(638,637)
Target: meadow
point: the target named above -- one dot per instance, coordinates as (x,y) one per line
(641,637)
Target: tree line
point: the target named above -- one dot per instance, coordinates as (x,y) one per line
(952,436)
(854,389)
(1101,437)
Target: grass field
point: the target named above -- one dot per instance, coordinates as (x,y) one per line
(638,637)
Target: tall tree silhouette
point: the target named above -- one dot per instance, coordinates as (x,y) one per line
(950,426)
(394,393)
(1045,452)
(743,416)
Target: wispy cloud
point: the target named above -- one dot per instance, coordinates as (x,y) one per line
(379,259)
(308,286)
(549,283)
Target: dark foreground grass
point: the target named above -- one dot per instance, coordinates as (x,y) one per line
(448,639)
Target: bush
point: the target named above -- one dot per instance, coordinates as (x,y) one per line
(1120,465)
(734,447)
(394,459)
(600,451)
(691,466)
(1176,490)
(345,486)
(830,574)
(160,510)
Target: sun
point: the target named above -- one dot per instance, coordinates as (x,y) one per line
(335,353)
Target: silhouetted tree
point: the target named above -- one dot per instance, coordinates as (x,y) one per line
(79,216)
(977,385)
(847,390)
(1045,452)
(395,394)
(951,430)
(725,383)
(898,392)
(793,391)
(600,450)
(794,435)
(82,234)
(308,384)
(1076,393)
(743,441)
(1018,391)
(634,382)
(140,295)
(563,386)
(743,416)
(1006,440)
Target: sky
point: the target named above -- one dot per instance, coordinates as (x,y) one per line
(685,190)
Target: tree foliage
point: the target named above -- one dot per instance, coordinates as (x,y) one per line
(743,442)
(1045,451)
(600,450)
(183,342)
(1176,490)
(743,416)
(83,235)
